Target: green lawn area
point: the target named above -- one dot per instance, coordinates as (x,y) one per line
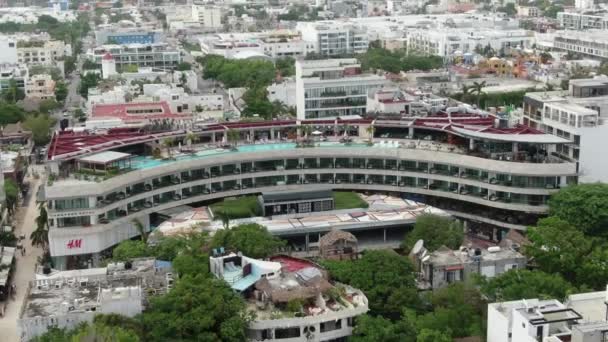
(247,206)
(348,200)
(240,207)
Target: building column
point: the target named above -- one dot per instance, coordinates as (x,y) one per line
(471,144)
(384,234)
(410,131)
(213,137)
(251,135)
(306,243)
(515,146)
(271,133)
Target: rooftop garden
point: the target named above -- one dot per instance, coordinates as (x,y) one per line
(348,200)
(235,208)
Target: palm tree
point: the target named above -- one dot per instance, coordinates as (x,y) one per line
(167,143)
(233,136)
(477,89)
(140,229)
(305,130)
(371,130)
(190,139)
(224,217)
(40,236)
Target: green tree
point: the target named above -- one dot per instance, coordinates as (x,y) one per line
(386,278)
(256,102)
(286,66)
(233,136)
(427,335)
(557,247)
(377,328)
(141,230)
(89,80)
(61,91)
(520,284)
(477,89)
(10,113)
(130,68)
(436,231)
(198,308)
(183,66)
(100,330)
(130,249)
(251,239)
(458,311)
(11,191)
(40,126)
(46,106)
(584,206)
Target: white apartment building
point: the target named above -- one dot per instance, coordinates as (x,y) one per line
(17,72)
(158,55)
(40,87)
(207,16)
(582,21)
(579,115)
(333,88)
(584,4)
(274,44)
(40,52)
(528,11)
(446,41)
(8,49)
(284,92)
(592,43)
(179,101)
(581,318)
(333,38)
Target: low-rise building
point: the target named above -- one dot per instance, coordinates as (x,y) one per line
(40,52)
(411,102)
(528,11)
(7,266)
(333,38)
(583,21)
(333,87)
(279,203)
(110,34)
(591,43)
(142,114)
(40,87)
(328,311)
(13,72)
(581,317)
(64,299)
(274,44)
(157,55)
(579,115)
(445,266)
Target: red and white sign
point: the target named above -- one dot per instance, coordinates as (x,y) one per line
(75,243)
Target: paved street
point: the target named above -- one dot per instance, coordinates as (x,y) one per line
(24,272)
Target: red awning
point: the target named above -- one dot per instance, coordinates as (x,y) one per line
(454,268)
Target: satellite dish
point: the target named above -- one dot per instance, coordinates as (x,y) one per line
(426,258)
(423,254)
(418,246)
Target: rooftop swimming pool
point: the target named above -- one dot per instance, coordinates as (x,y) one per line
(143,162)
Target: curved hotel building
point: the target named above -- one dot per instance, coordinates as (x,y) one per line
(473,165)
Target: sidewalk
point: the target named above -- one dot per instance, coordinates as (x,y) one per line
(24,272)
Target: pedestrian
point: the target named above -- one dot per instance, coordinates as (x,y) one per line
(23,251)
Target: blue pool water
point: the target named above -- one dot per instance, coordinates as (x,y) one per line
(142,162)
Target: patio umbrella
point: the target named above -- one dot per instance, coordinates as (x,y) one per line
(317,133)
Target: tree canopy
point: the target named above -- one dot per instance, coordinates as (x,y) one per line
(237,73)
(251,239)
(396,61)
(386,278)
(198,308)
(584,206)
(40,126)
(520,284)
(436,231)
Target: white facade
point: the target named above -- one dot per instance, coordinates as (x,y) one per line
(47,52)
(108,66)
(446,41)
(179,100)
(8,50)
(334,38)
(582,21)
(17,72)
(332,88)
(580,318)
(284,92)
(158,55)
(40,87)
(274,44)
(207,16)
(593,43)
(584,4)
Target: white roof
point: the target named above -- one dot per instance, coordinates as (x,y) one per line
(249,54)
(522,138)
(104,157)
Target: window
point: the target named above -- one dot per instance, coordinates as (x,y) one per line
(287,333)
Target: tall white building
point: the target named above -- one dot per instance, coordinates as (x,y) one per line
(274,44)
(582,21)
(333,88)
(207,16)
(579,115)
(333,38)
(583,4)
(591,43)
(8,49)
